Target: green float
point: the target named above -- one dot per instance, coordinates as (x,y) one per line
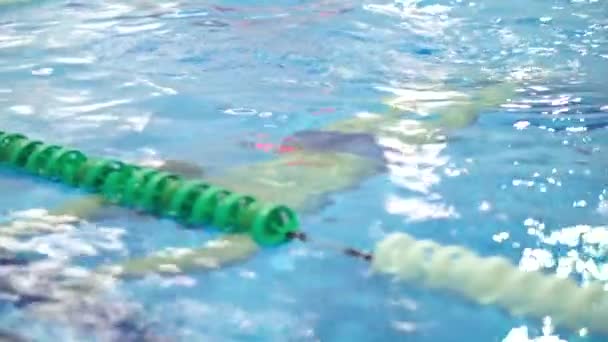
(193,203)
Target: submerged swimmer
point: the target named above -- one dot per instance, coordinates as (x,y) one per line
(320,162)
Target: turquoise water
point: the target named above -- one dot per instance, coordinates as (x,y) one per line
(201,81)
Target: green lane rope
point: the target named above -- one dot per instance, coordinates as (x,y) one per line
(157,192)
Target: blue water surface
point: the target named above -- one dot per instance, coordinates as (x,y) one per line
(205,81)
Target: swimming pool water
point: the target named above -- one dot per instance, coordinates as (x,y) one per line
(206,81)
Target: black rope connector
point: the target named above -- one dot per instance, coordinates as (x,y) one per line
(298,236)
(347,250)
(358,254)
